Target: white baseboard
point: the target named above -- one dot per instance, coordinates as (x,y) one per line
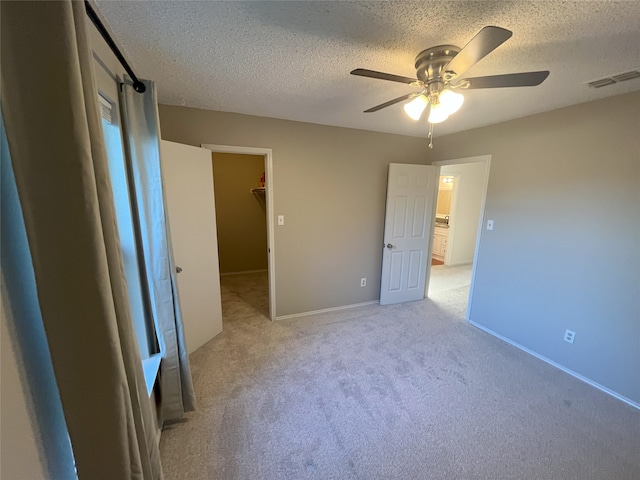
(242,273)
(558,366)
(326,310)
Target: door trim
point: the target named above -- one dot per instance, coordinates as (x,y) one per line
(267,153)
(486,159)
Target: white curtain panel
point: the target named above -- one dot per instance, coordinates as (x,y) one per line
(141,124)
(50,109)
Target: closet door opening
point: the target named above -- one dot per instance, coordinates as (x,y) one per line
(245,247)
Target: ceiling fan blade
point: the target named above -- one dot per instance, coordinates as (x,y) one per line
(527,79)
(391,102)
(485,41)
(382,76)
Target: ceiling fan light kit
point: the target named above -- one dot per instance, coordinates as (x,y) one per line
(443,104)
(451,100)
(440,70)
(438,113)
(416,106)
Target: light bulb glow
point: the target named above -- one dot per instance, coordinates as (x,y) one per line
(416,106)
(438,113)
(451,101)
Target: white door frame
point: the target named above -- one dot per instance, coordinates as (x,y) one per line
(486,159)
(267,153)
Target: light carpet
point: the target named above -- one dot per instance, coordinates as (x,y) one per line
(405,391)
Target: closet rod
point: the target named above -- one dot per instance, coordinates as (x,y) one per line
(138,86)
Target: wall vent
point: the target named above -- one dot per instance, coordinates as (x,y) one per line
(603,82)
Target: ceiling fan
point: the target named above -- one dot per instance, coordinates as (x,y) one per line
(439,71)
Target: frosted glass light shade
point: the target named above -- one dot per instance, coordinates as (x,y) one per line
(451,101)
(416,106)
(438,113)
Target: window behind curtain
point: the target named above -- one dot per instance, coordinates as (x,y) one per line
(112,132)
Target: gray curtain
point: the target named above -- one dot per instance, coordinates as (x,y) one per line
(49,105)
(140,117)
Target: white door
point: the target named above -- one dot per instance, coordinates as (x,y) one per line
(408,226)
(188,179)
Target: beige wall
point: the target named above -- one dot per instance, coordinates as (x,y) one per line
(443,206)
(240,215)
(329,183)
(564,192)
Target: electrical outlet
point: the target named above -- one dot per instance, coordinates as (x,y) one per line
(363,282)
(569,336)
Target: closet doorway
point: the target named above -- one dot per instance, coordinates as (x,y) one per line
(242,178)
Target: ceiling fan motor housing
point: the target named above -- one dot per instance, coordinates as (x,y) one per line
(430,63)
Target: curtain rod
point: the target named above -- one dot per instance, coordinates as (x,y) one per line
(138,86)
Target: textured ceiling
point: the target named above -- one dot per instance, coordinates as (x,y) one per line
(292,59)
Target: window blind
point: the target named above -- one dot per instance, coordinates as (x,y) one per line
(107,110)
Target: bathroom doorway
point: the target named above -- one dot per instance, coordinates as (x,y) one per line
(446,186)
(459,219)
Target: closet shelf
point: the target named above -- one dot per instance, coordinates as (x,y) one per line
(259,190)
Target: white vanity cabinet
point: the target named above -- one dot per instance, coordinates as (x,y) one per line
(440,236)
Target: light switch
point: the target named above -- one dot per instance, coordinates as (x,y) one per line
(280,219)
(489,224)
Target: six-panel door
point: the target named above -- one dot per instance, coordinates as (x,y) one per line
(407,232)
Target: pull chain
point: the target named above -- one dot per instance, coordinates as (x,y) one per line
(430,135)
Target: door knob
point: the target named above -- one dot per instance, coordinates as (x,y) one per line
(178,269)
(389,246)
